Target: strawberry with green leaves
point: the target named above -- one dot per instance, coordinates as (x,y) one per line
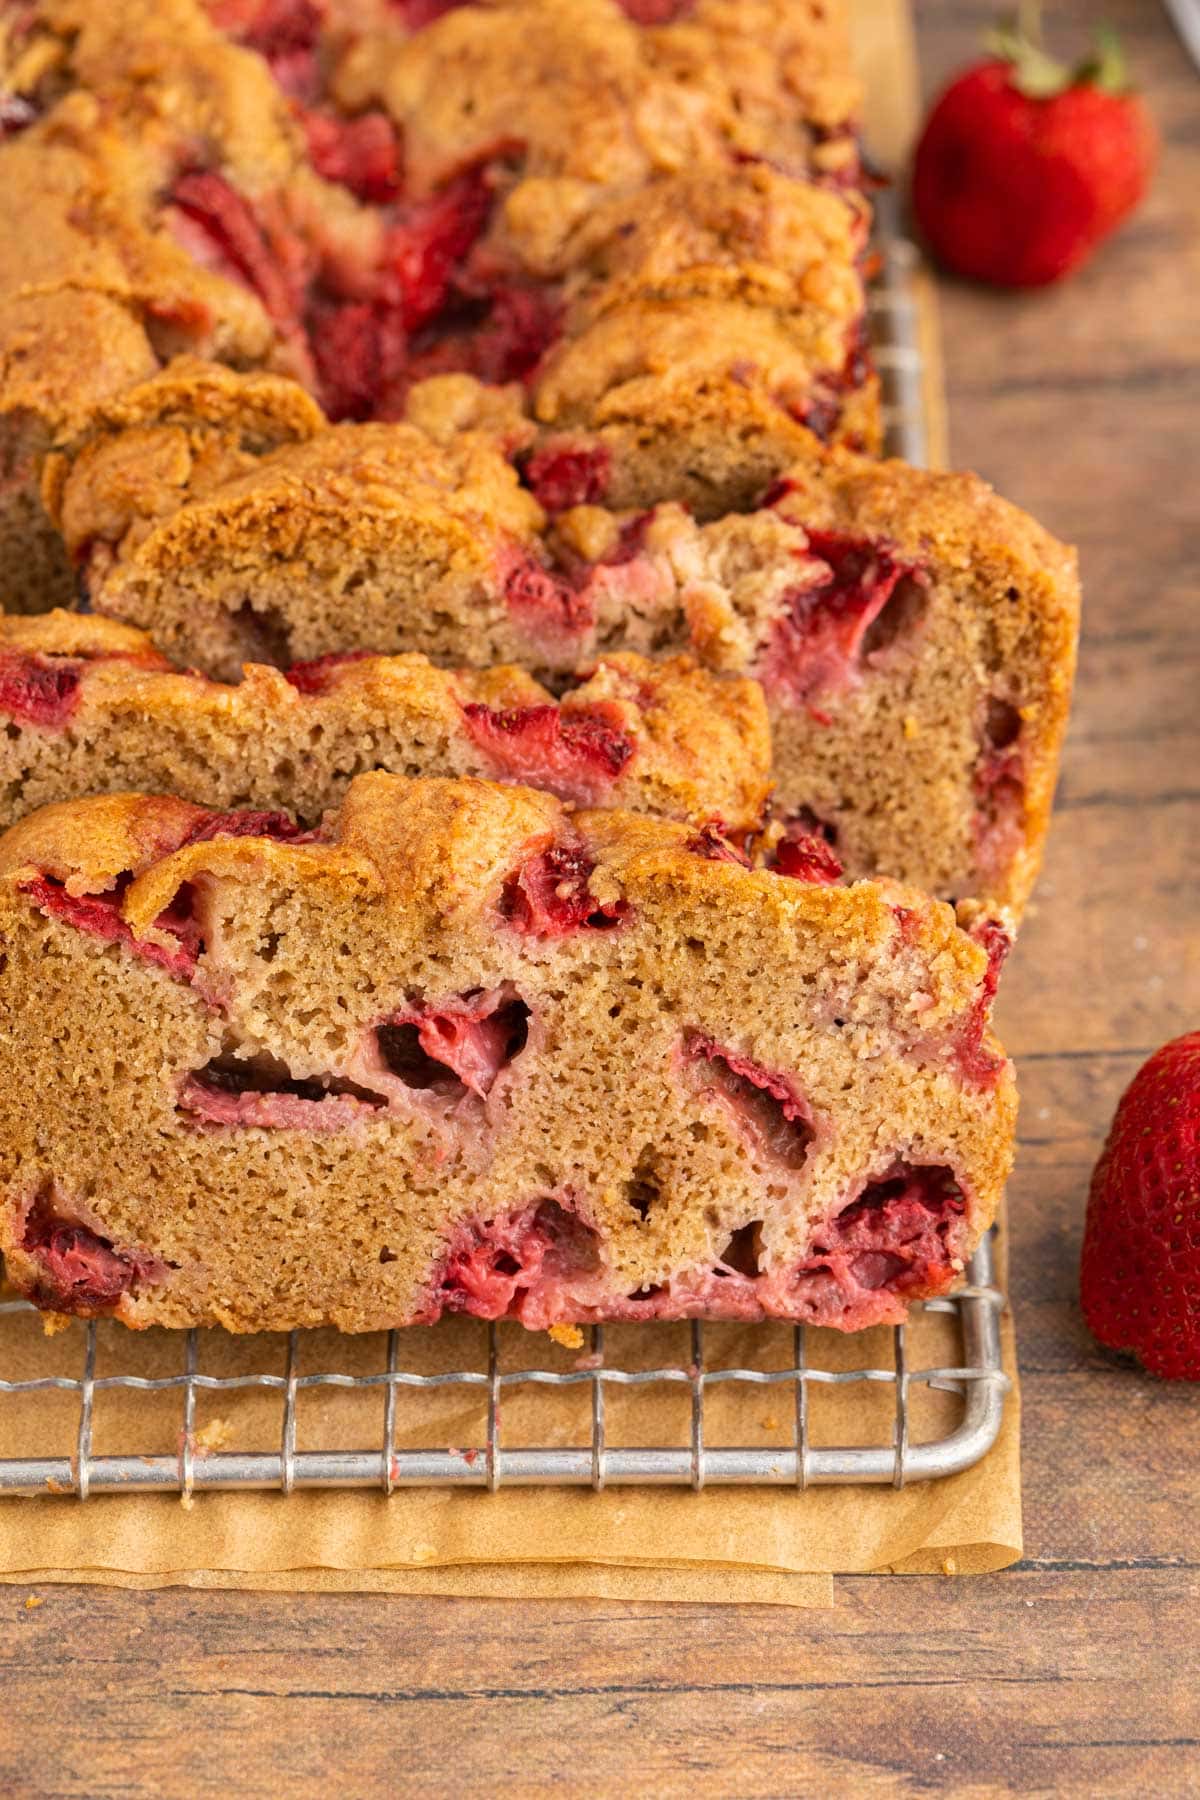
(1026,165)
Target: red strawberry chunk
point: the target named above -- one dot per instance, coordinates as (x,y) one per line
(16,114)
(979,1065)
(362,154)
(428,314)
(182,921)
(562,475)
(711,843)
(548,895)
(999,787)
(631,539)
(903,1234)
(471,1039)
(425,248)
(778,490)
(1140,1277)
(360,352)
(236,1093)
(816,649)
(80,1270)
(417,13)
(246,823)
(272,27)
(908,924)
(284,32)
(820,410)
(774,1115)
(318,675)
(77,1270)
(999,790)
(520,1265)
(230,237)
(37,689)
(510,328)
(576,755)
(805,853)
(481,1272)
(99,915)
(831,389)
(548,606)
(657,12)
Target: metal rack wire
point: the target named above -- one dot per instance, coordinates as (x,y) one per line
(976,1375)
(895,342)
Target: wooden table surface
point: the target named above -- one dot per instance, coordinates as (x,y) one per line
(1075,1673)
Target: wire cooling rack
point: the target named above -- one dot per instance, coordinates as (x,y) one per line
(977,1378)
(950,1346)
(895,340)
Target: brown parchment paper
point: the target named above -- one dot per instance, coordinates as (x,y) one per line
(774,1546)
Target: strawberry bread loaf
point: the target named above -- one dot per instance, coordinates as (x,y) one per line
(462,1050)
(914,634)
(90,706)
(605,203)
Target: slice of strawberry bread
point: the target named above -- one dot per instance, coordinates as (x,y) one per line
(624,209)
(915,634)
(89,706)
(462,1050)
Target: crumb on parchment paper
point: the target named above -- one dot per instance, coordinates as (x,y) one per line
(216,1435)
(33,1601)
(569,1336)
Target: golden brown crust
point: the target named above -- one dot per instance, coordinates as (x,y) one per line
(193,426)
(63,633)
(597,99)
(598,223)
(95,179)
(775,56)
(747,230)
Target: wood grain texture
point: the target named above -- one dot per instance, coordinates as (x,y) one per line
(1074,1674)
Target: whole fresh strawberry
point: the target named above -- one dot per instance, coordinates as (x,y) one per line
(1141,1249)
(1026,165)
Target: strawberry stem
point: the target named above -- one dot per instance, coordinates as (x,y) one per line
(1018,41)
(1035,73)
(1107,69)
